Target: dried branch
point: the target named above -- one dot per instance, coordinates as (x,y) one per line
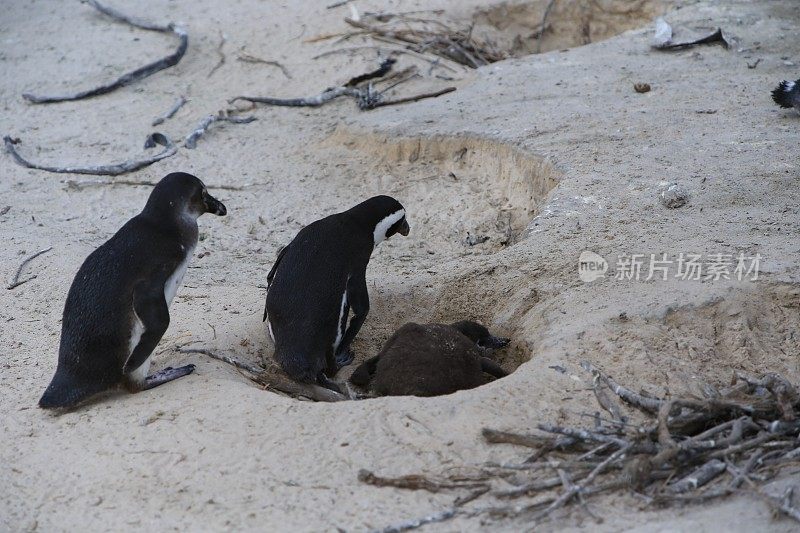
(416,482)
(649,405)
(179,103)
(191,140)
(101,170)
(247,58)
(272,380)
(130,77)
(16,282)
(414,98)
(81,184)
(418,522)
(698,478)
(220,53)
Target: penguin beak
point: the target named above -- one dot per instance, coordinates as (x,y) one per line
(404,229)
(492,343)
(214,206)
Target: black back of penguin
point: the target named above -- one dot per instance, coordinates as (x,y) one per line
(318,277)
(98,318)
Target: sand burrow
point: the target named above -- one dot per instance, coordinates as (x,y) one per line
(513,27)
(464,195)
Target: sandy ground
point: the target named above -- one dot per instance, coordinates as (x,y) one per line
(555,150)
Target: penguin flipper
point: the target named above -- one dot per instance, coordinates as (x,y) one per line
(362,375)
(358,299)
(151,307)
(271,275)
(492,368)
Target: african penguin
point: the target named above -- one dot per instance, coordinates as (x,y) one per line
(431,360)
(117,308)
(787,94)
(316,281)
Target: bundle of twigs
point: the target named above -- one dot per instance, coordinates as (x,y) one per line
(694,449)
(429,36)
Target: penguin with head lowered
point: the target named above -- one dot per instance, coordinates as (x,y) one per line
(431,360)
(117,308)
(317,280)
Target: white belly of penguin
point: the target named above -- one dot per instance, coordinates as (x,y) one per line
(174,281)
(138,375)
(339,326)
(170,288)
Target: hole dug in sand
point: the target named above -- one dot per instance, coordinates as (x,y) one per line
(514,26)
(454,187)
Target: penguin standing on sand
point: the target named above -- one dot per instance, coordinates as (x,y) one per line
(787,95)
(117,308)
(317,280)
(431,360)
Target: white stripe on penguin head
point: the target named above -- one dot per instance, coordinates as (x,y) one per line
(384,225)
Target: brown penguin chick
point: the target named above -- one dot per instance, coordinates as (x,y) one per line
(431,360)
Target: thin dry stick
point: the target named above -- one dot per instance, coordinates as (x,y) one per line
(576,488)
(179,103)
(130,77)
(247,58)
(80,184)
(543,26)
(101,170)
(220,53)
(311,101)
(348,89)
(384,103)
(271,380)
(191,139)
(418,522)
(650,405)
(698,478)
(415,482)
(16,282)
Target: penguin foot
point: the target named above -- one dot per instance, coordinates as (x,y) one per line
(344,358)
(166,375)
(328,383)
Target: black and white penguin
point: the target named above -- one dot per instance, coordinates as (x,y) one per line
(317,280)
(787,94)
(431,360)
(117,308)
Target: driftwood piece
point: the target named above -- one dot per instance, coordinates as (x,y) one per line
(415,98)
(664,39)
(82,184)
(100,170)
(366,97)
(272,380)
(415,523)
(200,130)
(16,282)
(649,405)
(416,482)
(179,103)
(699,449)
(698,478)
(130,77)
